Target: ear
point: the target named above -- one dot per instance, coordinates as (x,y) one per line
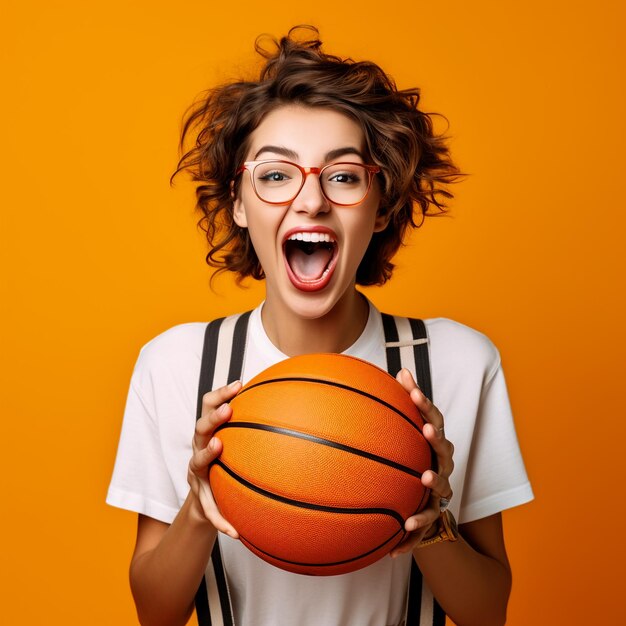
(382,220)
(239,212)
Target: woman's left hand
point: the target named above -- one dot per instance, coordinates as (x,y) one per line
(419,525)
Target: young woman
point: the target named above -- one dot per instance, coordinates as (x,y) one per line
(309,178)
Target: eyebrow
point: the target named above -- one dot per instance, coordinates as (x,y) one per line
(286,152)
(339,152)
(291,154)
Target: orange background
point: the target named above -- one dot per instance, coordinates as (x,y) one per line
(99,254)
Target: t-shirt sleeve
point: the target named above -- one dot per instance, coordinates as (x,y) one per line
(495,477)
(141,481)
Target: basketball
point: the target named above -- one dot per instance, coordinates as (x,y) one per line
(321,464)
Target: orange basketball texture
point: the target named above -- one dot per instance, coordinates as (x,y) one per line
(321,464)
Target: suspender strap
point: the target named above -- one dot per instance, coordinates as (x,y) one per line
(420,354)
(239,348)
(224,343)
(392,346)
(207,365)
(406,345)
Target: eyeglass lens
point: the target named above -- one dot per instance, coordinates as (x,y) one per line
(342,183)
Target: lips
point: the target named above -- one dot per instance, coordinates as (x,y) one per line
(310,257)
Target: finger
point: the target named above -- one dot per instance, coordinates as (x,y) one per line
(213,418)
(429,411)
(203,457)
(217,397)
(220,523)
(424,519)
(213,514)
(198,466)
(410,542)
(214,415)
(438,485)
(421,523)
(433,434)
(433,429)
(443,448)
(206,426)
(405,378)
(416,526)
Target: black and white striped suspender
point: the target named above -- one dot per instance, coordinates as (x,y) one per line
(222,362)
(406,344)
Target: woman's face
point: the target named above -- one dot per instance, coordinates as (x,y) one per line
(309,249)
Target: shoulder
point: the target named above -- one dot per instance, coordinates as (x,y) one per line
(174,350)
(174,341)
(456,345)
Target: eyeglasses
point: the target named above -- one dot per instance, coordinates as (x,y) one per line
(279,182)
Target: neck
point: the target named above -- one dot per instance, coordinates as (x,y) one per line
(334,332)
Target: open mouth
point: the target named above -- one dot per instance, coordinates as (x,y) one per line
(310,258)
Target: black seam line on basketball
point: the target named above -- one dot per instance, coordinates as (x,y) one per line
(309,505)
(331,383)
(356,558)
(322,441)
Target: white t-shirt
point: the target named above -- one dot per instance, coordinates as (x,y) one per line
(150,475)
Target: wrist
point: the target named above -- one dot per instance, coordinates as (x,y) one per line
(445,530)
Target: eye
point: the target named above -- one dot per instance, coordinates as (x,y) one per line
(346,177)
(276,174)
(273,177)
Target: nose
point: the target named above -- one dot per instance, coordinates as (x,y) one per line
(311,200)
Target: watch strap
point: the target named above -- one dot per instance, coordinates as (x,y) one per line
(446,530)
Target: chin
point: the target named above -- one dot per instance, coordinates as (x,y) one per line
(313,305)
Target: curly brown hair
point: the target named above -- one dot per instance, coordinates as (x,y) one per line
(415,162)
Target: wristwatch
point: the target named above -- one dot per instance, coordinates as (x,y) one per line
(446,530)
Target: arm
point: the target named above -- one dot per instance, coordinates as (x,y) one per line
(471,577)
(169,560)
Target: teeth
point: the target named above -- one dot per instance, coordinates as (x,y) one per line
(312,237)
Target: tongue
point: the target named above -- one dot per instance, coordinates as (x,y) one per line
(308,263)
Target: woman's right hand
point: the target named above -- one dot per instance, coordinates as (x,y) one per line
(206,448)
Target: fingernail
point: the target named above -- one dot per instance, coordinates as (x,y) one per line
(212,443)
(234,384)
(222,409)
